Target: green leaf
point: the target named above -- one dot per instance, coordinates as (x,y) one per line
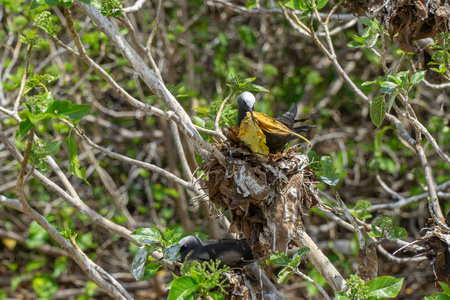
(250,4)
(68,110)
(151,270)
(341,296)
(333,180)
(305,5)
(24,127)
(35,264)
(402,77)
(321,3)
(356,44)
(183,288)
(45,286)
(397,232)
(385,286)
(388,87)
(284,275)
(199,122)
(327,166)
(280,259)
(256,88)
(417,77)
(378,110)
(140,260)
(149,235)
(367,22)
(74,161)
(59,266)
(445,287)
(15,281)
(386,164)
(216,295)
(37,235)
(172,253)
(392,98)
(52,147)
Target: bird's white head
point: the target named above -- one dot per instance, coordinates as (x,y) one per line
(246,101)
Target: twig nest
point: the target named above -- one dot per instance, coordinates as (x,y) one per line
(412,20)
(265,197)
(437,241)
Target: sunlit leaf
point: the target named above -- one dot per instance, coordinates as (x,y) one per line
(378,110)
(147,235)
(273,126)
(385,286)
(252,135)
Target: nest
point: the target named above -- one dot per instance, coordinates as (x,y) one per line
(436,242)
(412,20)
(265,197)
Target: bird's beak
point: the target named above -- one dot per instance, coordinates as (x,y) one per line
(251,112)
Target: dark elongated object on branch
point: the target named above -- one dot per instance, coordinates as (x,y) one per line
(275,142)
(230,252)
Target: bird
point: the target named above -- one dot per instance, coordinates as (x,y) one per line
(231,252)
(275,142)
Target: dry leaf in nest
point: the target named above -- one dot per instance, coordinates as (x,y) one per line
(252,135)
(265,198)
(252,129)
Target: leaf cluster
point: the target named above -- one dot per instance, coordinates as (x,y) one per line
(153,239)
(383,287)
(290,265)
(383,227)
(199,280)
(391,85)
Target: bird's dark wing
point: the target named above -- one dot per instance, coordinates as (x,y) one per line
(231,252)
(288,118)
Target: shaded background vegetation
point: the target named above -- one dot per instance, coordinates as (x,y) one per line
(199,46)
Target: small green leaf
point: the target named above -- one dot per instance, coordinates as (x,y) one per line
(183,288)
(256,88)
(150,271)
(342,296)
(74,161)
(250,4)
(15,281)
(199,122)
(52,147)
(356,44)
(392,98)
(397,232)
(24,127)
(296,258)
(172,253)
(37,235)
(45,286)
(388,87)
(151,235)
(68,110)
(327,166)
(385,286)
(378,110)
(321,4)
(35,264)
(284,275)
(140,259)
(367,22)
(417,77)
(333,180)
(280,259)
